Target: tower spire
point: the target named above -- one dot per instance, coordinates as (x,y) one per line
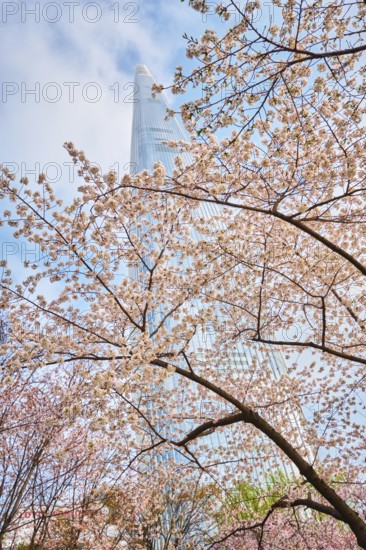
(150,127)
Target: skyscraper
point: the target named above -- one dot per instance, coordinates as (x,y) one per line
(150,129)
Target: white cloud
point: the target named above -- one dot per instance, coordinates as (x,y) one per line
(104,52)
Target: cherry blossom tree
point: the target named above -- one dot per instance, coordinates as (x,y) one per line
(256,244)
(273,515)
(41,454)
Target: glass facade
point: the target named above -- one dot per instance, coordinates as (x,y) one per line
(150,129)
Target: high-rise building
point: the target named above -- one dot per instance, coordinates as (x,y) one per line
(150,129)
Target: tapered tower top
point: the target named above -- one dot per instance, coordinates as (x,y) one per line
(149,127)
(142,69)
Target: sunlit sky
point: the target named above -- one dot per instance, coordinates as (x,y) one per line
(67,72)
(80,59)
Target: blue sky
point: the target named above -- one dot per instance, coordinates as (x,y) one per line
(79,59)
(98,58)
(82,72)
(71,53)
